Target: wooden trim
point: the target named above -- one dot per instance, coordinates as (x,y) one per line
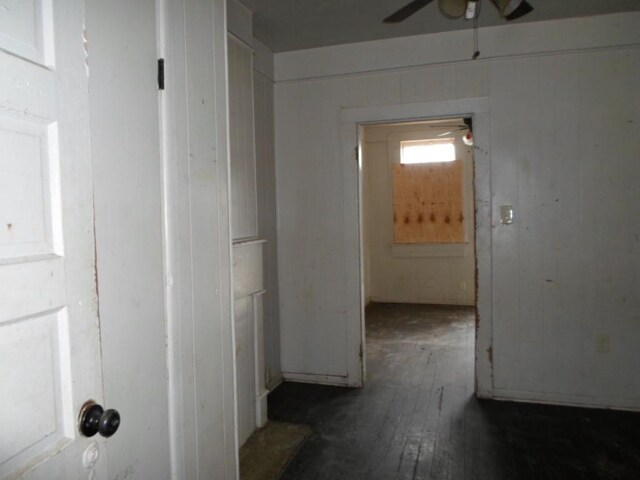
(421,250)
(554,37)
(337,380)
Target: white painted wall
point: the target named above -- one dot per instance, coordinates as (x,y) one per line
(197,238)
(563,148)
(240,21)
(267,217)
(435,274)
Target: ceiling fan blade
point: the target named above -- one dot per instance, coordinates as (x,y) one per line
(406,11)
(520,11)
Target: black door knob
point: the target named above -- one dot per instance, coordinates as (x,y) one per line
(93,419)
(109,423)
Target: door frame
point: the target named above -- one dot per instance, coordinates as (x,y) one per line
(351,120)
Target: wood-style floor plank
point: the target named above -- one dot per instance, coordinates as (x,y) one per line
(417,419)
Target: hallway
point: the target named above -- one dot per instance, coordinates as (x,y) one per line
(417,418)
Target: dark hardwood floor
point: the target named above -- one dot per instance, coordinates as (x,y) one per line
(417,418)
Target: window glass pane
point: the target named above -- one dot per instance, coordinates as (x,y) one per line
(427,151)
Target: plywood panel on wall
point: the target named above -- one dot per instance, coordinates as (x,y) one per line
(427,203)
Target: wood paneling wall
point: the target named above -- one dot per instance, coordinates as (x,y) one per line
(198,260)
(563,150)
(267,217)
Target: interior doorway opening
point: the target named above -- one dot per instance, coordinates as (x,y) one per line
(418,232)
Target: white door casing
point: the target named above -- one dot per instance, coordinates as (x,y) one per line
(351,119)
(49,329)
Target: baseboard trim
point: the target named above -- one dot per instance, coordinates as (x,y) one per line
(439,301)
(274,382)
(583,401)
(335,380)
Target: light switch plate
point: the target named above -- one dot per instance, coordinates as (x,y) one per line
(506,214)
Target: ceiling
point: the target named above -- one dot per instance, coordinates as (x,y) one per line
(285,25)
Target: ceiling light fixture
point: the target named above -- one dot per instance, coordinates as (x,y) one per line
(452,8)
(513,9)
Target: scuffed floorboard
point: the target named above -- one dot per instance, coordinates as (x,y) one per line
(417,417)
(268,450)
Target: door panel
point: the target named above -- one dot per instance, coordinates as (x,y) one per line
(49,339)
(26,30)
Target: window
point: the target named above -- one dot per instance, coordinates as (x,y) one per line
(428,193)
(427,151)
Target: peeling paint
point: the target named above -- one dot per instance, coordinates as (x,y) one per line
(96,280)
(85,48)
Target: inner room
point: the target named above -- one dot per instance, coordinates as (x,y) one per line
(417,211)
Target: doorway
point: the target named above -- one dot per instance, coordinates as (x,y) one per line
(418,243)
(352,122)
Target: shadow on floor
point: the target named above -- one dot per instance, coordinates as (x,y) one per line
(417,417)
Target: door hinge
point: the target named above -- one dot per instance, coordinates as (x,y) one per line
(357,153)
(161,74)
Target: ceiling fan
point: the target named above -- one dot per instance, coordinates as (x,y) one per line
(509,9)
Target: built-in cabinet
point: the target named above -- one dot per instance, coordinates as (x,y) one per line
(249,314)
(242,150)
(249,291)
(253,219)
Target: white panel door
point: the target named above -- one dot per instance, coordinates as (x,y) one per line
(49,340)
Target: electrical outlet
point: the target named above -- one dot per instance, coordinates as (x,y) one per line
(463,285)
(602,343)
